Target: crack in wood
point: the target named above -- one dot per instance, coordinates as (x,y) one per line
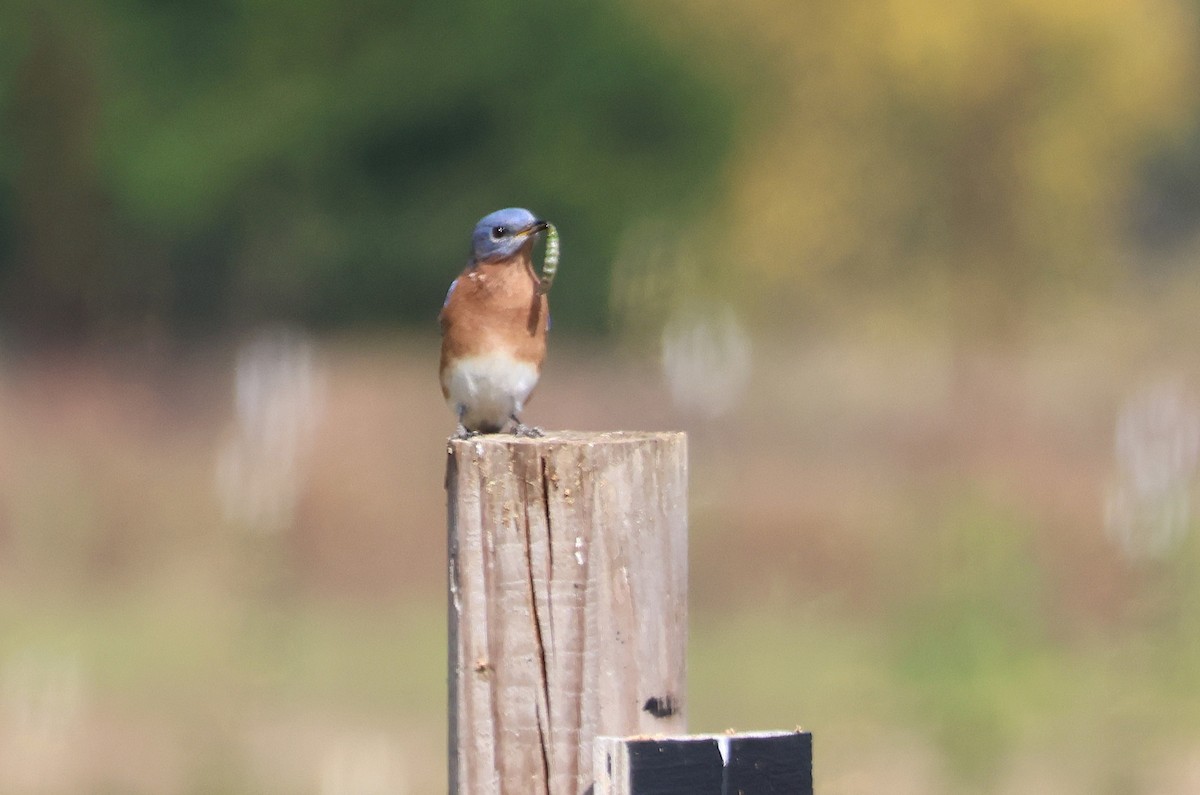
(549,556)
(543,730)
(545,507)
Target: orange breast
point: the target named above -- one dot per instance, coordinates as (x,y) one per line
(495,306)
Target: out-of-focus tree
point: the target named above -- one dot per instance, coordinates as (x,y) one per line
(180,162)
(56,245)
(985,154)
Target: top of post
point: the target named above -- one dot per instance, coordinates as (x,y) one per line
(566,439)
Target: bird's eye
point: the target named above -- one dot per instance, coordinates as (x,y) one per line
(498,232)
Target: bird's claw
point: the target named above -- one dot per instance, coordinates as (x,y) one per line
(528,431)
(461,432)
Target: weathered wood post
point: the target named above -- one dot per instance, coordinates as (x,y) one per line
(568,603)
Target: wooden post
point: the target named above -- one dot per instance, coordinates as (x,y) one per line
(750,763)
(568,603)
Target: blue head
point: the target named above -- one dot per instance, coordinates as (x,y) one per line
(504,233)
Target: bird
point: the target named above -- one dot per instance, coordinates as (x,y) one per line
(494,322)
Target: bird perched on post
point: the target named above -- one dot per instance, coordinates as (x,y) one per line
(494,324)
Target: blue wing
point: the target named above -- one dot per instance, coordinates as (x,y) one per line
(449,292)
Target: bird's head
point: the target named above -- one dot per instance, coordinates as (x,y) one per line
(504,233)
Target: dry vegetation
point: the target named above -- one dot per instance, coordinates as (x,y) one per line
(896,544)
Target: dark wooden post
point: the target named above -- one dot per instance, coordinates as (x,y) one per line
(568,603)
(750,763)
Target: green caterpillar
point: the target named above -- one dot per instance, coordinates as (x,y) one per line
(550,261)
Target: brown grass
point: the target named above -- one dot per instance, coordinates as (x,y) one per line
(827,512)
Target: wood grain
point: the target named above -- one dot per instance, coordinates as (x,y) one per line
(568,603)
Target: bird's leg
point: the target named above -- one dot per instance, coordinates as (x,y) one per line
(461,431)
(528,431)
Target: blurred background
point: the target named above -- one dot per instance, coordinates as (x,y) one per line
(919,277)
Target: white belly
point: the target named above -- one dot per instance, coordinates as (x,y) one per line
(490,389)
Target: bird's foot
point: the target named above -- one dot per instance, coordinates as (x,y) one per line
(461,432)
(528,431)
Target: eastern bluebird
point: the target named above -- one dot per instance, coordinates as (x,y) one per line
(494,324)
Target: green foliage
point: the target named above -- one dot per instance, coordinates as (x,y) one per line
(326,161)
(973,653)
(214,163)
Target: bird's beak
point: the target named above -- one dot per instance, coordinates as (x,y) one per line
(535,227)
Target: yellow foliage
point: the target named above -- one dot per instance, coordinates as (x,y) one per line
(998,140)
